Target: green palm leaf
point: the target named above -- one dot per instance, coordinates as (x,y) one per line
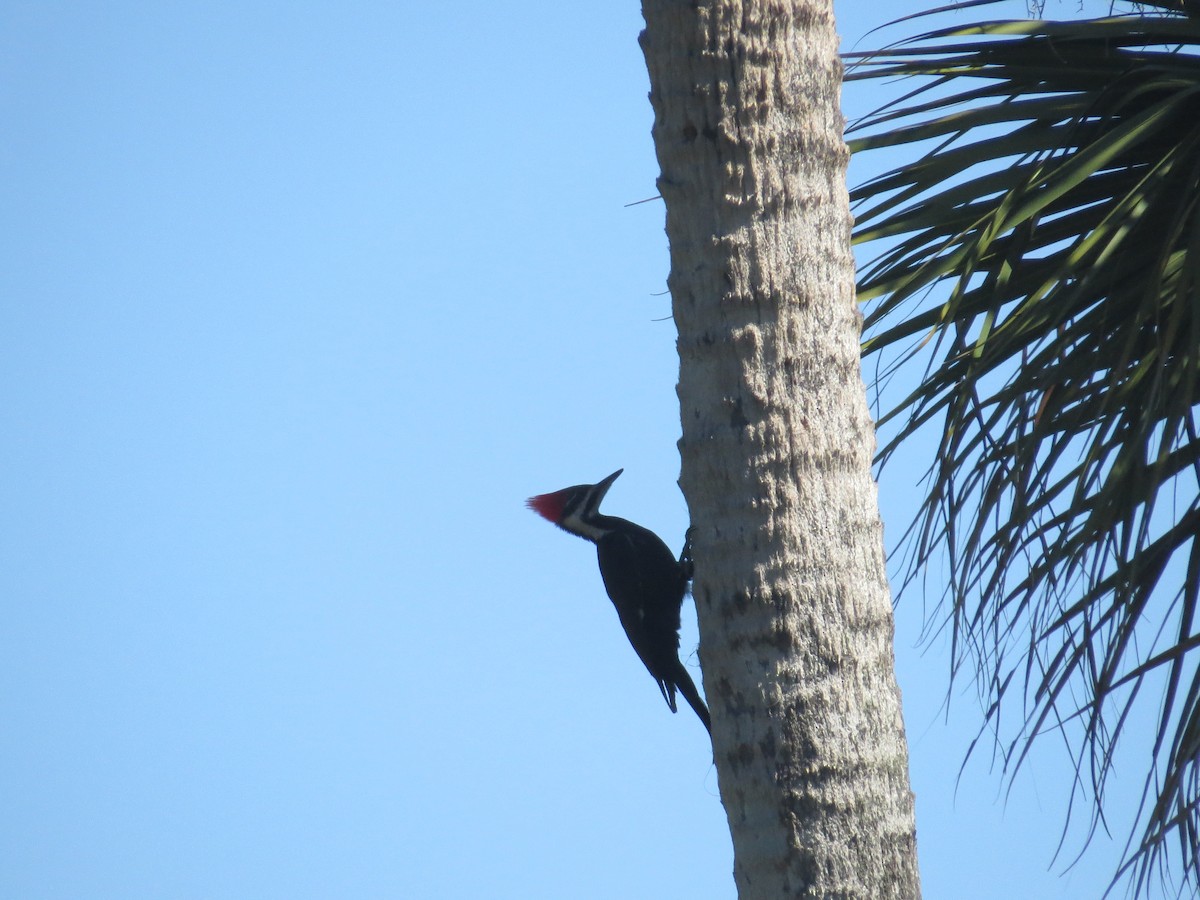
(1043,258)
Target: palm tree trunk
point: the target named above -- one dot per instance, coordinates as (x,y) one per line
(791,590)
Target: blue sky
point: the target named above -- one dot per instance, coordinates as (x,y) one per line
(299,303)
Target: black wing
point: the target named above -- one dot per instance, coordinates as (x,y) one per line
(647,585)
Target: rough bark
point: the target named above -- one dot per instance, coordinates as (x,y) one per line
(791,591)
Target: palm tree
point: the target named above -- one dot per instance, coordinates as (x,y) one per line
(791,589)
(1042,259)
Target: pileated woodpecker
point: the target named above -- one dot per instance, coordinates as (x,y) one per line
(644,580)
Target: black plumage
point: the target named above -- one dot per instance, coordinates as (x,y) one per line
(644,580)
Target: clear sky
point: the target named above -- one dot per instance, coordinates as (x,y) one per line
(298,303)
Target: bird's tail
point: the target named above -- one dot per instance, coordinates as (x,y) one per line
(687,687)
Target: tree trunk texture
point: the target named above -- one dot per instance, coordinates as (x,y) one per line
(791,590)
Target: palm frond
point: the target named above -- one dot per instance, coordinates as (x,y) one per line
(1043,257)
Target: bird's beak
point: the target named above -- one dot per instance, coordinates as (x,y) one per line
(607,482)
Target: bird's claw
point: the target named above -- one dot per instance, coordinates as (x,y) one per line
(685,555)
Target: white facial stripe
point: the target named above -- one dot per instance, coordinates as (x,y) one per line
(581,507)
(576,525)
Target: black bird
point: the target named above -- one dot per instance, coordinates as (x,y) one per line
(644,580)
